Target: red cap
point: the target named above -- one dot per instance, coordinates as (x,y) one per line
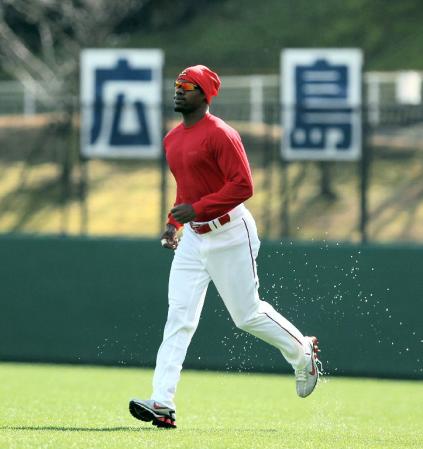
(204,77)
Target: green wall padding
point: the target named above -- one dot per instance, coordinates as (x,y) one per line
(104,301)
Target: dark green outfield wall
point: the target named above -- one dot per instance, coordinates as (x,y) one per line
(104,301)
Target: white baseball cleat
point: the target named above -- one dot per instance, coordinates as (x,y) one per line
(150,410)
(306,378)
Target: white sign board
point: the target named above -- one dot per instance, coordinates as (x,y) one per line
(121,96)
(409,88)
(321,104)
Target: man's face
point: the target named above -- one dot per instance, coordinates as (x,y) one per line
(188,96)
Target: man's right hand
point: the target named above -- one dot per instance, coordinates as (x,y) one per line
(169,239)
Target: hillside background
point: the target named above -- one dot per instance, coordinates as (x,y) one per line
(245,36)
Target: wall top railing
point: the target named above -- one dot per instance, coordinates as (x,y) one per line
(380,89)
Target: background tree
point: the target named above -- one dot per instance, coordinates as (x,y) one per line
(40,40)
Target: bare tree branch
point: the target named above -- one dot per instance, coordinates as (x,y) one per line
(64,27)
(21,61)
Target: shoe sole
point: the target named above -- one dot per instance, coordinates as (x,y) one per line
(314,349)
(143,413)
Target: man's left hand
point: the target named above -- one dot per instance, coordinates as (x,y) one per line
(183,213)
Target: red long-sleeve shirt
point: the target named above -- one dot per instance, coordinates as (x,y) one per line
(210,167)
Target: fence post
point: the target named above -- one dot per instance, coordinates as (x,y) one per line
(285,231)
(83,194)
(364,173)
(256,99)
(373,99)
(267,162)
(163,174)
(28,102)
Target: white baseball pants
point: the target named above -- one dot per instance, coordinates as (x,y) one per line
(225,256)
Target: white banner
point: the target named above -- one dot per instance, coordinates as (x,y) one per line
(321,104)
(121,103)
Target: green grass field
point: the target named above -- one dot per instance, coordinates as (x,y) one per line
(47,406)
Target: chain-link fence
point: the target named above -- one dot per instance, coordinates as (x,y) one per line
(46,187)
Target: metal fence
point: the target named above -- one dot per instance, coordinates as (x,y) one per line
(381,89)
(45,187)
